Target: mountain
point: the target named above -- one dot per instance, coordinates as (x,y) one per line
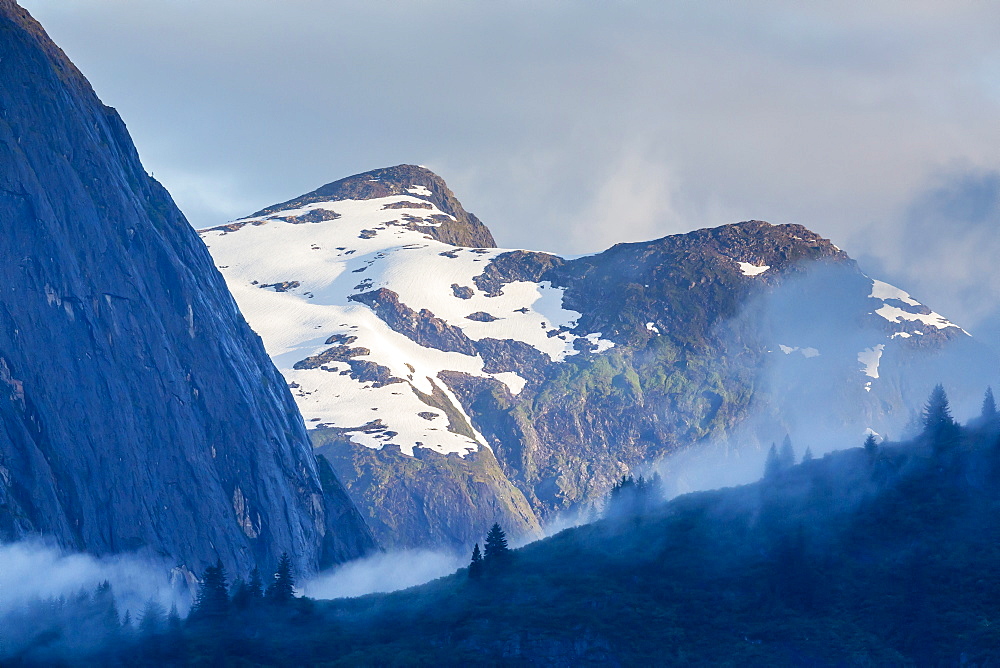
(139,412)
(451,386)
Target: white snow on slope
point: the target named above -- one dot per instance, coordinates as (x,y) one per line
(752,269)
(885,292)
(869,359)
(806,352)
(292,281)
(895,314)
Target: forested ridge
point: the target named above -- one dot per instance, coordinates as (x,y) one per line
(884,554)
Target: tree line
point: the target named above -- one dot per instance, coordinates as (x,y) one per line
(938,428)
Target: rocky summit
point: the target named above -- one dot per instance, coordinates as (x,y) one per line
(139,412)
(451,383)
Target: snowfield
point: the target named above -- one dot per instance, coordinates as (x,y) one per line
(292,273)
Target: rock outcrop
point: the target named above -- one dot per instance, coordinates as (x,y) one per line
(457,226)
(138,410)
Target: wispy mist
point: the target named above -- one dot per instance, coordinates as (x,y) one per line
(35,569)
(384,572)
(812,387)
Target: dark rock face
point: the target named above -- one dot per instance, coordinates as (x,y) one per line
(422,327)
(430,498)
(464,229)
(139,411)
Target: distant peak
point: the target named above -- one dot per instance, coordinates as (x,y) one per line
(409,180)
(373,184)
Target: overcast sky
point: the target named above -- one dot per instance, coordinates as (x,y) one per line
(572,125)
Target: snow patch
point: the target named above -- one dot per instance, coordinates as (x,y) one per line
(897,315)
(513,381)
(651,326)
(602,344)
(753,269)
(419,190)
(806,352)
(883,291)
(869,360)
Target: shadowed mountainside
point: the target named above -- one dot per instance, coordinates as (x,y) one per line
(139,411)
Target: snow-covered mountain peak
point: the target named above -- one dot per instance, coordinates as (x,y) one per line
(360,298)
(420,183)
(549,377)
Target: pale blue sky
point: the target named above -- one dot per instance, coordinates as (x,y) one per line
(572,125)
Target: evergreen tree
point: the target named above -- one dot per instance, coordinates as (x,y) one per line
(153,618)
(772,465)
(173,645)
(173,619)
(871,447)
(939,425)
(621,488)
(476,565)
(255,586)
(248,594)
(989,413)
(107,609)
(633,496)
(238,593)
(496,545)
(937,412)
(807,456)
(650,492)
(787,454)
(655,487)
(213,595)
(282,590)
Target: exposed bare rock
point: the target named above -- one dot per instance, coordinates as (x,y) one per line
(460,229)
(138,411)
(421,326)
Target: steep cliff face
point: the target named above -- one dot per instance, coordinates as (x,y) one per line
(451,385)
(139,411)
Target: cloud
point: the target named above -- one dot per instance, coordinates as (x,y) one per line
(385,572)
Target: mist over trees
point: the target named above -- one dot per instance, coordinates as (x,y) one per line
(880,554)
(632,496)
(780,460)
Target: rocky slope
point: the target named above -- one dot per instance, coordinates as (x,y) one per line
(139,411)
(452,385)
